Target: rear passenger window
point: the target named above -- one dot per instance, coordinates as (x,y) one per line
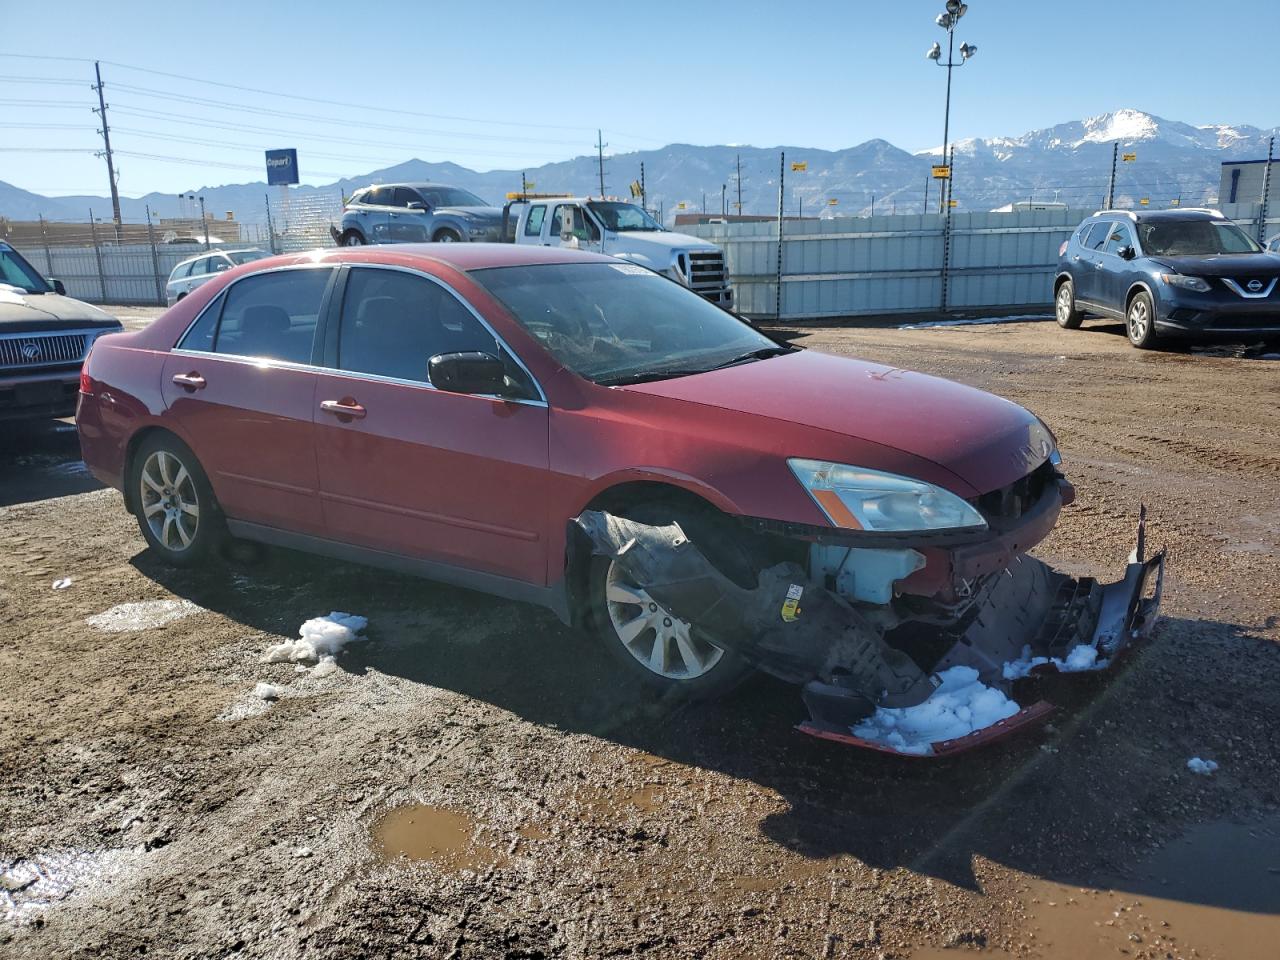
(393,323)
(378,197)
(273,315)
(1098,235)
(533,223)
(200,336)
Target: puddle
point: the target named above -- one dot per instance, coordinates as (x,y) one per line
(144,615)
(444,837)
(29,888)
(1214,894)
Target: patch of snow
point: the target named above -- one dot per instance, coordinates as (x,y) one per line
(326,666)
(1204,768)
(62,584)
(319,637)
(143,615)
(267,691)
(1122,125)
(1081,658)
(32,886)
(961,705)
(973,321)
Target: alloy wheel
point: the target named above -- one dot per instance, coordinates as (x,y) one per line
(1064,303)
(1139,320)
(170,504)
(661,642)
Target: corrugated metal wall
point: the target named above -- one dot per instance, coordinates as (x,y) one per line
(859,266)
(129,273)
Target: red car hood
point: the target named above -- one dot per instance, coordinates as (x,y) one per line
(984,440)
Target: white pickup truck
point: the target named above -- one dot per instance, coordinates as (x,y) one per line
(622,230)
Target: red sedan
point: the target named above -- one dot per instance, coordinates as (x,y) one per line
(575,431)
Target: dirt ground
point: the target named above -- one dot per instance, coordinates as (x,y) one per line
(151,804)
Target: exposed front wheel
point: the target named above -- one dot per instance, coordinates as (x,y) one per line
(1140,321)
(651,644)
(446,236)
(1064,306)
(174,502)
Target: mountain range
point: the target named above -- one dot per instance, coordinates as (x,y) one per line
(1069,162)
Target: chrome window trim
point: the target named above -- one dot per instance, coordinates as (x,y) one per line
(542,396)
(359,375)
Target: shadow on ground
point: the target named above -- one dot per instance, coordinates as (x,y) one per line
(41,460)
(1075,804)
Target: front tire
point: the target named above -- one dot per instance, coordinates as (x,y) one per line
(649,643)
(353,238)
(1064,306)
(1140,321)
(446,236)
(174,502)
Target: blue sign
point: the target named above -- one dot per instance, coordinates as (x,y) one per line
(282,167)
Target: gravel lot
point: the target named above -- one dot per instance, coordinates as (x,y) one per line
(150,803)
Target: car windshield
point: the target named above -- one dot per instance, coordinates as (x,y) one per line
(622,216)
(16,272)
(245,256)
(450,197)
(616,323)
(1194,238)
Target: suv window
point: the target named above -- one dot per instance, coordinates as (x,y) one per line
(404,196)
(1098,235)
(533,223)
(272,315)
(1120,236)
(378,196)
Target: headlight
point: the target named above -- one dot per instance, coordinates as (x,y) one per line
(860,499)
(1198,284)
(479,231)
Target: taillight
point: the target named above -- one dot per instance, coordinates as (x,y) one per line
(86,385)
(1062,250)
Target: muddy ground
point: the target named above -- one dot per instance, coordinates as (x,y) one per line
(150,804)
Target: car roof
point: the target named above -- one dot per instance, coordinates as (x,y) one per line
(459,256)
(416,184)
(214,253)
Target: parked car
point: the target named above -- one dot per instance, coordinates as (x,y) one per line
(415,213)
(1168,273)
(574,430)
(194,271)
(44,337)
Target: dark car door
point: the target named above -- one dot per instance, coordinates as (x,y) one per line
(1089,264)
(241,387)
(406,468)
(1115,271)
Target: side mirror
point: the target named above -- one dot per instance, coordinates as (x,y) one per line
(418,205)
(1126,253)
(58,286)
(469,372)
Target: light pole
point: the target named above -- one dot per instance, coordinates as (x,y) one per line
(947,21)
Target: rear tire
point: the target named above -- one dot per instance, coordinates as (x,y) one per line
(651,645)
(174,502)
(1064,306)
(1140,321)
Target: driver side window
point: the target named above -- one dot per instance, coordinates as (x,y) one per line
(582,225)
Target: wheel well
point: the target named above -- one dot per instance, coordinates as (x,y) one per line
(180,296)
(1059,281)
(1133,292)
(454,230)
(130,451)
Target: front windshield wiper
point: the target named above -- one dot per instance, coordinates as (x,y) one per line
(762,354)
(644,376)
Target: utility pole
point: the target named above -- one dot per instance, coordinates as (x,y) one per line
(1111,186)
(723,207)
(704,201)
(782,174)
(1266,192)
(925,208)
(106,149)
(204,223)
(600,145)
(739,179)
(643,200)
(524,186)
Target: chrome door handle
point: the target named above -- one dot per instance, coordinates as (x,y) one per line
(191,382)
(344,409)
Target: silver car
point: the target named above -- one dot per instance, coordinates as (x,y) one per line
(193,271)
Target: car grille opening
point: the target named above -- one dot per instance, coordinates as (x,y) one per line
(706,270)
(1000,507)
(27,351)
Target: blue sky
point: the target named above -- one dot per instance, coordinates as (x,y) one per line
(517,84)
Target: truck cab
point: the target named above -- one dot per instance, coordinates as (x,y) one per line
(627,231)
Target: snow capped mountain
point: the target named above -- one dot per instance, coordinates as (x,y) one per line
(1069,162)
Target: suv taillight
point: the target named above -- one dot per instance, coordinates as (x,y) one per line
(1062,250)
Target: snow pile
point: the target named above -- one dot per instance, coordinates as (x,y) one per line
(975,321)
(1083,657)
(320,638)
(1203,767)
(267,691)
(144,615)
(960,705)
(62,584)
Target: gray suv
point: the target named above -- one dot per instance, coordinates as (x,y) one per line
(417,213)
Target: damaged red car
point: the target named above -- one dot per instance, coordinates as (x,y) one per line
(575,431)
